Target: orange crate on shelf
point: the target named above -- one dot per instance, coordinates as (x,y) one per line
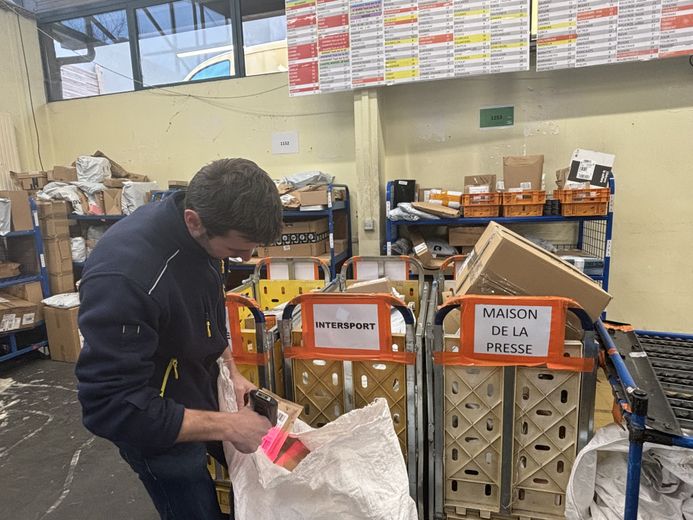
(523,210)
(481,199)
(582,209)
(481,205)
(481,211)
(524,198)
(583,202)
(585,196)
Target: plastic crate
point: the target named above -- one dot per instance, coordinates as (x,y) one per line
(482,199)
(585,196)
(524,210)
(581,209)
(523,198)
(545,440)
(473,438)
(481,211)
(583,202)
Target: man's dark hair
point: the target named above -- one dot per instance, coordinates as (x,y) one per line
(236,194)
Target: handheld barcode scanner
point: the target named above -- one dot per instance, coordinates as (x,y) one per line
(263,404)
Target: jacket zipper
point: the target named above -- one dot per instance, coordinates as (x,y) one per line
(208,322)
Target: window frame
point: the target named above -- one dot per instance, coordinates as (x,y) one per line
(54,93)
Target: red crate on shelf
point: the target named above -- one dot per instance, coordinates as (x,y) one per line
(583,202)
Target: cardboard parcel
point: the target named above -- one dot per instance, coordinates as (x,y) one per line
(505,263)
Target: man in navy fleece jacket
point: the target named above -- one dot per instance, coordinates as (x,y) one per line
(154,324)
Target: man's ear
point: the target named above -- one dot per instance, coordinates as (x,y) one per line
(194,223)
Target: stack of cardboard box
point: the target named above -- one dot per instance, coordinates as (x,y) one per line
(64,339)
(56,239)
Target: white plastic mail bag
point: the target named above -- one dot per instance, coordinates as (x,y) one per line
(354,471)
(597,484)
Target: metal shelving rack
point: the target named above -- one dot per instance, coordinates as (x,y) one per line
(333,206)
(16,346)
(93,219)
(593,237)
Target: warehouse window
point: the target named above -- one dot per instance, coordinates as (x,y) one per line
(88,56)
(185,40)
(264,36)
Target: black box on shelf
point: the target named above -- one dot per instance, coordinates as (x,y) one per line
(403,190)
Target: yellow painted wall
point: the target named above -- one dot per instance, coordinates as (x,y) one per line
(170,134)
(641,112)
(14,97)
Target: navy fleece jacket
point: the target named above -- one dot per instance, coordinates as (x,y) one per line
(149,293)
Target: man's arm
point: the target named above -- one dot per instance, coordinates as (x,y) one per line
(244,429)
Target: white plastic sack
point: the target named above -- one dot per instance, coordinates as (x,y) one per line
(62,301)
(62,191)
(405,211)
(309,178)
(134,194)
(355,471)
(79,249)
(5,216)
(598,481)
(94,234)
(93,169)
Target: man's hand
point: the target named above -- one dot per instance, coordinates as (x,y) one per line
(241,385)
(248,430)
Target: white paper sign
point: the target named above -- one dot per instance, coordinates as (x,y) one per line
(512,330)
(367,270)
(284,142)
(350,326)
(396,270)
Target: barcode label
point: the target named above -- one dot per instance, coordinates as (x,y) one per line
(282,417)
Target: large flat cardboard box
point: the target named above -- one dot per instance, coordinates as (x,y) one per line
(30,292)
(505,263)
(436,209)
(21,212)
(64,341)
(61,283)
(63,174)
(300,238)
(523,171)
(464,236)
(58,255)
(16,314)
(317,197)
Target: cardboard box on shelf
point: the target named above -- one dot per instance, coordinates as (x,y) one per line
(9,269)
(62,282)
(21,211)
(289,250)
(64,339)
(52,228)
(464,236)
(58,255)
(311,196)
(16,313)
(340,245)
(479,183)
(303,231)
(379,285)
(111,200)
(449,198)
(503,262)
(424,194)
(523,172)
(22,250)
(436,209)
(422,251)
(62,174)
(114,183)
(30,180)
(30,292)
(403,190)
(53,209)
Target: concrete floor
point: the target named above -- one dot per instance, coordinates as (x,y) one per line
(51,467)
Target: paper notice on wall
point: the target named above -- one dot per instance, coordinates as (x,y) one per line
(512,330)
(347,326)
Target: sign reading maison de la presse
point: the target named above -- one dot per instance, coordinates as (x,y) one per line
(512,330)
